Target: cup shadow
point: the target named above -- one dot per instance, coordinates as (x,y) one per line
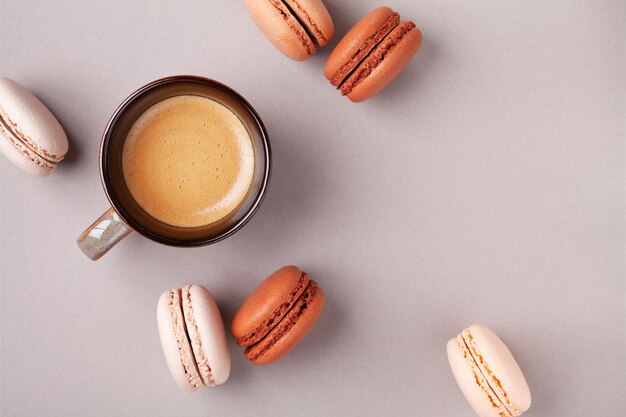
(290,198)
(291,195)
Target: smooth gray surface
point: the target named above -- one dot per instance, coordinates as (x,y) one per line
(485,185)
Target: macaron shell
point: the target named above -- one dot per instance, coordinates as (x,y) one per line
(358,42)
(206,332)
(315,17)
(176,348)
(378,72)
(471,382)
(270,300)
(296,325)
(281,28)
(23,158)
(499,367)
(32,121)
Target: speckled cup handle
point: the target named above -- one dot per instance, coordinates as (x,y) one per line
(103,234)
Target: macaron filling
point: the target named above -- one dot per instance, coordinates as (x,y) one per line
(23,147)
(280,311)
(185,351)
(375,57)
(480,379)
(290,319)
(366,47)
(202,362)
(490,377)
(294,24)
(12,131)
(312,29)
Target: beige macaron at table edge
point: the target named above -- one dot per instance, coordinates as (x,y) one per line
(185,161)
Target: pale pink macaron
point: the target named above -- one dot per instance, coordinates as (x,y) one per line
(487,373)
(295,27)
(30,136)
(193,337)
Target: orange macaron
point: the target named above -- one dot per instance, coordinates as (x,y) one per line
(277,315)
(372,54)
(295,27)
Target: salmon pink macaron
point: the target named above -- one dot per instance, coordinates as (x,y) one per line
(277,315)
(372,54)
(30,136)
(487,373)
(296,27)
(193,337)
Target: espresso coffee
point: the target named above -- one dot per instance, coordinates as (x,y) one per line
(188,161)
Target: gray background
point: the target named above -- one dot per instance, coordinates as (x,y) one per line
(485,185)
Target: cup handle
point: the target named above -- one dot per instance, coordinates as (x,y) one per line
(102,235)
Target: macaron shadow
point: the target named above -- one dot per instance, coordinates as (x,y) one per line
(75,150)
(535,369)
(241,369)
(75,147)
(408,82)
(343,19)
(320,341)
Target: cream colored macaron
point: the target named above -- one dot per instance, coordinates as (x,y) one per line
(487,373)
(30,136)
(193,337)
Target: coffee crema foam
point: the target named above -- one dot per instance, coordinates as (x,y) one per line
(188,161)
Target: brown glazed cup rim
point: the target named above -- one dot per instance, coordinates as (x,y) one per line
(136,226)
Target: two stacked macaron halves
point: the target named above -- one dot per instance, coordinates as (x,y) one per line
(372,54)
(277,315)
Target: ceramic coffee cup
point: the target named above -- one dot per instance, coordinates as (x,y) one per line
(125,215)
